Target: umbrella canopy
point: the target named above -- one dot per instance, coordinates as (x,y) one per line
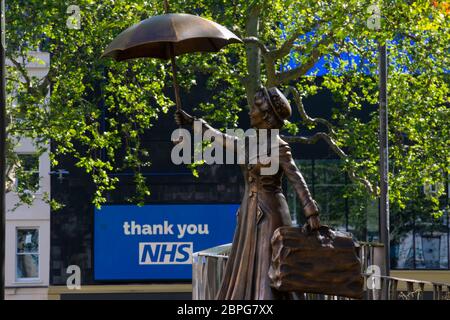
(169,34)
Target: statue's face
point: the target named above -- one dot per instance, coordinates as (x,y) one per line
(258,110)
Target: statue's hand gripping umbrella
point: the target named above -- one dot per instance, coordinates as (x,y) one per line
(167,36)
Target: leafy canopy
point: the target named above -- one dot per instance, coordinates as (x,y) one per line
(276,32)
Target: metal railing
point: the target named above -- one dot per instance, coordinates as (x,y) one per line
(406,289)
(209,265)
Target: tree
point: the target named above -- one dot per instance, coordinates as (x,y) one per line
(275,32)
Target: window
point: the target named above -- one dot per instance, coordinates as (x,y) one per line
(420,243)
(295,207)
(28,173)
(27,254)
(326,182)
(328,189)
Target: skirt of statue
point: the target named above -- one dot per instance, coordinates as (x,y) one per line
(246,273)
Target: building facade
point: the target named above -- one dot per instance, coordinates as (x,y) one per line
(27,256)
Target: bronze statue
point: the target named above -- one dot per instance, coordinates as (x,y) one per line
(263,208)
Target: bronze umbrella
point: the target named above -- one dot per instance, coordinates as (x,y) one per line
(166,36)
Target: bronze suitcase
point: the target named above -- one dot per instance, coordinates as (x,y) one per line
(322,261)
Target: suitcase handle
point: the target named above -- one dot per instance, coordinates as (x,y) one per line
(322,229)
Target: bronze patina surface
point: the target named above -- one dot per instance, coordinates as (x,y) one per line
(156,36)
(323,261)
(264,208)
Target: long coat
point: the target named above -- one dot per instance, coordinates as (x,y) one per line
(262,211)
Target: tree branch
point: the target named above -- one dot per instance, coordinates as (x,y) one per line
(286,76)
(327,137)
(289,44)
(259,43)
(22,70)
(42,88)
(269,61)
(286,47)
(305,117)
(330,141)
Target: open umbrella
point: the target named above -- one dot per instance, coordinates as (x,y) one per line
(167,36)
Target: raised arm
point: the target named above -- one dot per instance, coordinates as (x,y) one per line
(295,177)
(229,142)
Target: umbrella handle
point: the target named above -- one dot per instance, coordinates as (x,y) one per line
(166,6)
(175,85)
(174,77)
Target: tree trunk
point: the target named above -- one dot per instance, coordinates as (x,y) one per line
(253,80)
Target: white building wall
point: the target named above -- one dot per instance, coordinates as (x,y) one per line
(34,216)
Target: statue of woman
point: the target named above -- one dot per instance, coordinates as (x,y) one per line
(264,207)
